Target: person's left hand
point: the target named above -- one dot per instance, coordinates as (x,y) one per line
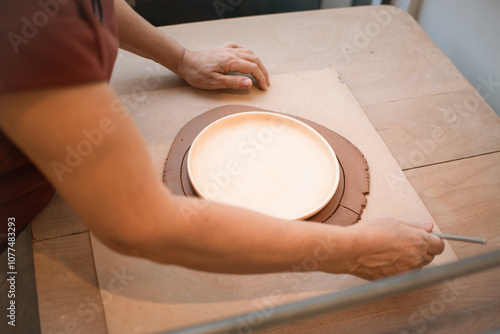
(209,69)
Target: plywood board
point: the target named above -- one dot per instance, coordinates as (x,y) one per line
(56,220)
(68,296)
(463,196)
(156,297)
(429,130)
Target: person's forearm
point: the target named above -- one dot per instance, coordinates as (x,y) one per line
(218,238)
(141,38)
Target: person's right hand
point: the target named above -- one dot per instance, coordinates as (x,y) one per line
(388,247)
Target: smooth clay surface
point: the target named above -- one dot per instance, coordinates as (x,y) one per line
(344,208)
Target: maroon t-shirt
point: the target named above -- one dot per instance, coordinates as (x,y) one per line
(46,43)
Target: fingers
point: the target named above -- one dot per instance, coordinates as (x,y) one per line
(436,245)
(233,82)
(427,226)
(232,45)
(261,71)
(249,67)
(428,258)
(249,64)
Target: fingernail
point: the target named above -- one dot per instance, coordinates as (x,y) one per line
(247,83)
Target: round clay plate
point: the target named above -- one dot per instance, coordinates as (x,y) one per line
(266,162)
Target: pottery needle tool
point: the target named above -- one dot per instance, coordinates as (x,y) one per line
(459,238)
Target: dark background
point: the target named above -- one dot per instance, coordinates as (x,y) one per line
(166,12)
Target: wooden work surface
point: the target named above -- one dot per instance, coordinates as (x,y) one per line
(443,135)
(185,296)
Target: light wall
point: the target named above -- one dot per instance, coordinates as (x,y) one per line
(468,32)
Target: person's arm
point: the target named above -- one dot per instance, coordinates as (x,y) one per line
(204,69)
(86,144)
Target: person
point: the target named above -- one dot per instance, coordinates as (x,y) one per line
(55,65)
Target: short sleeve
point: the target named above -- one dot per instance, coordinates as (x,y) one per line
(56,42)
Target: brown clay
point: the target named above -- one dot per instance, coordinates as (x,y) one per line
(344,208)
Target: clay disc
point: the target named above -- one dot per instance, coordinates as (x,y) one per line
(344,208)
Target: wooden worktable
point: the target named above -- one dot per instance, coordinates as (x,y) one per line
(442,133)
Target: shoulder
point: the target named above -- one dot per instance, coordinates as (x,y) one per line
(55,42)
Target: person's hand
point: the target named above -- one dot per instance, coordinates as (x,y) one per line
(209,69)
(388,247)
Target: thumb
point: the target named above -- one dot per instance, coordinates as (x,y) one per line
(245,83)
(426,226)
(232,45)
(235,82)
